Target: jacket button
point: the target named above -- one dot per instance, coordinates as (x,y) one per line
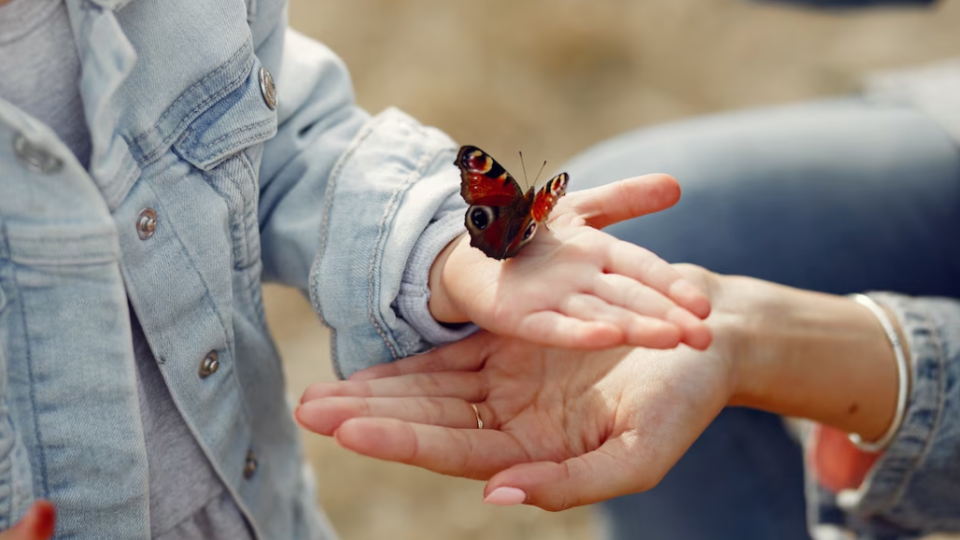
(268,89)
(209,365)
(250,465)
(146,223)
(35,158)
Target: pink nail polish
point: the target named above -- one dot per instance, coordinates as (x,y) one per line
(505,496)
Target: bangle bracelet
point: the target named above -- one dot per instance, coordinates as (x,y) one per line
(903,373)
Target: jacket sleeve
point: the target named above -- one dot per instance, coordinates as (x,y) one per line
(914,488)
(345,198)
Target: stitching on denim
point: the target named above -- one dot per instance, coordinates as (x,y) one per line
(388,214)
(85,259)
(897,494)
(248,205)
(240,143)
(313,291)
(243,129)
(33,396)
(192,115)
(247,46)
(238,250)
(245,413)
(250,262)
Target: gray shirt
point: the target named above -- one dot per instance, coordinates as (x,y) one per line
(40,74)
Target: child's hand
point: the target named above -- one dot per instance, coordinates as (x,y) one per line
(575,286)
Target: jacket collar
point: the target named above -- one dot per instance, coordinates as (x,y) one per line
(107,59)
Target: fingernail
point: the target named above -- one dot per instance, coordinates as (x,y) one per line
(505,496)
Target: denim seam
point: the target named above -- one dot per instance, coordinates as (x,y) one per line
(248,208)
(195,268)
(896,494)
(192,115)
(33,396)
(244,412)
(389,212)
(240,144)
(243,129)
(899,492)
(313,291)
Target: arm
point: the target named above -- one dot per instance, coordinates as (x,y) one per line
(354,210)
(636,411)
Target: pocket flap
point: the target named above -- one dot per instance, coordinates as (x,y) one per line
(238,120)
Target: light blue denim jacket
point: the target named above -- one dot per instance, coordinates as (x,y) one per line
(317,195)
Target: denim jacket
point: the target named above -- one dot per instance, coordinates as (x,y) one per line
(197,189)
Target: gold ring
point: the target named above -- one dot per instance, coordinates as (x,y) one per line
(476,412)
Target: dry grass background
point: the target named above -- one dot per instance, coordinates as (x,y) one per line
(551,77)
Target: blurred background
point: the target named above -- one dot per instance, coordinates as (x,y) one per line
(551,78)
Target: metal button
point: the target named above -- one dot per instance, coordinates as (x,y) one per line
(36,158)
(146,223)
(209,364)
(268,89)
(250,465)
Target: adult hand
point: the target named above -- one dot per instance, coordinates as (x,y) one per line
(561,428)
(574,286)
(36,524)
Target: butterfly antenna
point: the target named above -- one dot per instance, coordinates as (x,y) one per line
(524,167)
(541,171)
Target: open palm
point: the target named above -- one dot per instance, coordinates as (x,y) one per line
(575,286)
(565,427)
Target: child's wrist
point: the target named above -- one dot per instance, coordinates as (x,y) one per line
(442,306)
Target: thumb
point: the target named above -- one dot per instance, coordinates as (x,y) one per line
(625,199)
(592,477)
(36,524)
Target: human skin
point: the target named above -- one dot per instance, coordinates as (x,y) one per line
(574,286)
(37,524)
(564,428)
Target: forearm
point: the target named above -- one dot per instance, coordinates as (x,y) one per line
(811,355)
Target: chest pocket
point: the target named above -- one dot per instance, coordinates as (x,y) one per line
(225,145)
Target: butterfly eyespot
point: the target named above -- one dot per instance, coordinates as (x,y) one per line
(481,217)
(529,232)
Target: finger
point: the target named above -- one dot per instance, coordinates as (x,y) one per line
(640,331)
(466,385)
(609,471)
(37,524)
(618,201)
(555,329)
(325,415)
(638,298)
(469,453)
(644,266)
(465,355)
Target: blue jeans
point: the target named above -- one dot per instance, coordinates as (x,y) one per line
(838,196)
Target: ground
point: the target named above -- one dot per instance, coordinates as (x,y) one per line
(550,78)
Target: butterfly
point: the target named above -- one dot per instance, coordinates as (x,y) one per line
(501,218)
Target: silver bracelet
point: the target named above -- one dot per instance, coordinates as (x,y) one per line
(903,373)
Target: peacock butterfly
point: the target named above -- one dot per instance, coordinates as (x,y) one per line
(501,218)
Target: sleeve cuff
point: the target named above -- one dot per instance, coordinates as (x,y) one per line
(383,194)
(912,489)
(412,303)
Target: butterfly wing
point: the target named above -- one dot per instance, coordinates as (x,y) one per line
(483,180)
(548,196)
(499,210)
